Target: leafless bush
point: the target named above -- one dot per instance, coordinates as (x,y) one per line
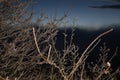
(28,52)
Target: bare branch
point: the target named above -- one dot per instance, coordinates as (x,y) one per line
(80,60)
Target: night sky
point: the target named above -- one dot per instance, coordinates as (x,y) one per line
(89,13)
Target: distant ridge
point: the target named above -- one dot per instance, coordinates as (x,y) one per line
(90,28)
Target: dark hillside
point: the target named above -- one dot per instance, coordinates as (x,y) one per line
(82,39)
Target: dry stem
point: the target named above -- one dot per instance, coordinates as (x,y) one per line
(85,51)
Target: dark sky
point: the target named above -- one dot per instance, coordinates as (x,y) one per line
(90,13)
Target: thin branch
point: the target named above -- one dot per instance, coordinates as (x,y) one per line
(37,44)
(113,54)
(85,51)
(49,53)
(36,41)
(94,46)
(82,71)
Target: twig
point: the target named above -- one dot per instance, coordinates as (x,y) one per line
(36,41)
(37,44)
(113,54)
(82,71)
(49,53)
